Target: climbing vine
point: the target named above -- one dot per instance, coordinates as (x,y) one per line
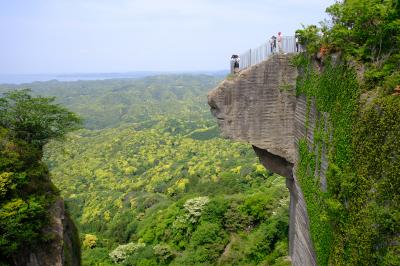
(355,221)
(320,228)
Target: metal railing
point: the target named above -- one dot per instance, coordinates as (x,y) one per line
(262,52)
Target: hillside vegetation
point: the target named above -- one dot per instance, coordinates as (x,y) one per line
(26,193)
(150,182)
(351,71)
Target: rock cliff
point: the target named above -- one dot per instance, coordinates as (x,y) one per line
(259,106)
(62,249)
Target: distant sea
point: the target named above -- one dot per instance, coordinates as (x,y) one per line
(28,78)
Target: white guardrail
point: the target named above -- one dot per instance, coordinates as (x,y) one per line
(259,54)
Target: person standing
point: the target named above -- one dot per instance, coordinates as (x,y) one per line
(272,43)
(296,36)
(280,39)
(235,64)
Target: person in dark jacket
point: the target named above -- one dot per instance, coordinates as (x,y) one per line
(234,63)
(272,43)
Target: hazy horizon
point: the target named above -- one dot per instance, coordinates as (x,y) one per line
(19,79)
(89,36)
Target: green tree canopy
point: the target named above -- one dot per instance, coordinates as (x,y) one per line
(366,29)
(366,32)
(35,119)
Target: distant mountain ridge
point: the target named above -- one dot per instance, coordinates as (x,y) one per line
(24,79)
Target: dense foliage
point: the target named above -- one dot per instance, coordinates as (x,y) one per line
(110,103)
(152,183)
(366,33)
(350,72)
(35,120)
(26,192)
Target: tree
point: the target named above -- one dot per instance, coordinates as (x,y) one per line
(366,29)
(35,120)
(310,37)
(368,32)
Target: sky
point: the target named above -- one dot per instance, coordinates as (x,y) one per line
(92,36)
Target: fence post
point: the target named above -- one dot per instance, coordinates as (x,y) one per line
(263,52)
(250,58)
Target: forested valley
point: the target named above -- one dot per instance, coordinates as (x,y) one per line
(149,181)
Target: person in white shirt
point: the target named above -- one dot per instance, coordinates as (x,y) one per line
(280,39)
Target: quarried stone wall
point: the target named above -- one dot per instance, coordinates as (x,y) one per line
(259,106)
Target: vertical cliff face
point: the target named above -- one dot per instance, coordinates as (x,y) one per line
(62,249)
(259,106)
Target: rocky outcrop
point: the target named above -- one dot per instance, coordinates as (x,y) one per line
(259,106)
(62,249)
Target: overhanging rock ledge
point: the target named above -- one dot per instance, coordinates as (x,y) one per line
(259,106)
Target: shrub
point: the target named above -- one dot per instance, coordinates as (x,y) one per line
(21,222)
(123,251)
(163,252)
(206,233)
(215,210)
(194,208)
(257,205)
(90,241)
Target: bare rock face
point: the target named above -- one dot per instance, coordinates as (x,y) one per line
(259,106)
(62,249)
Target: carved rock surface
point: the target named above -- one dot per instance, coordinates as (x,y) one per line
(259,106)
